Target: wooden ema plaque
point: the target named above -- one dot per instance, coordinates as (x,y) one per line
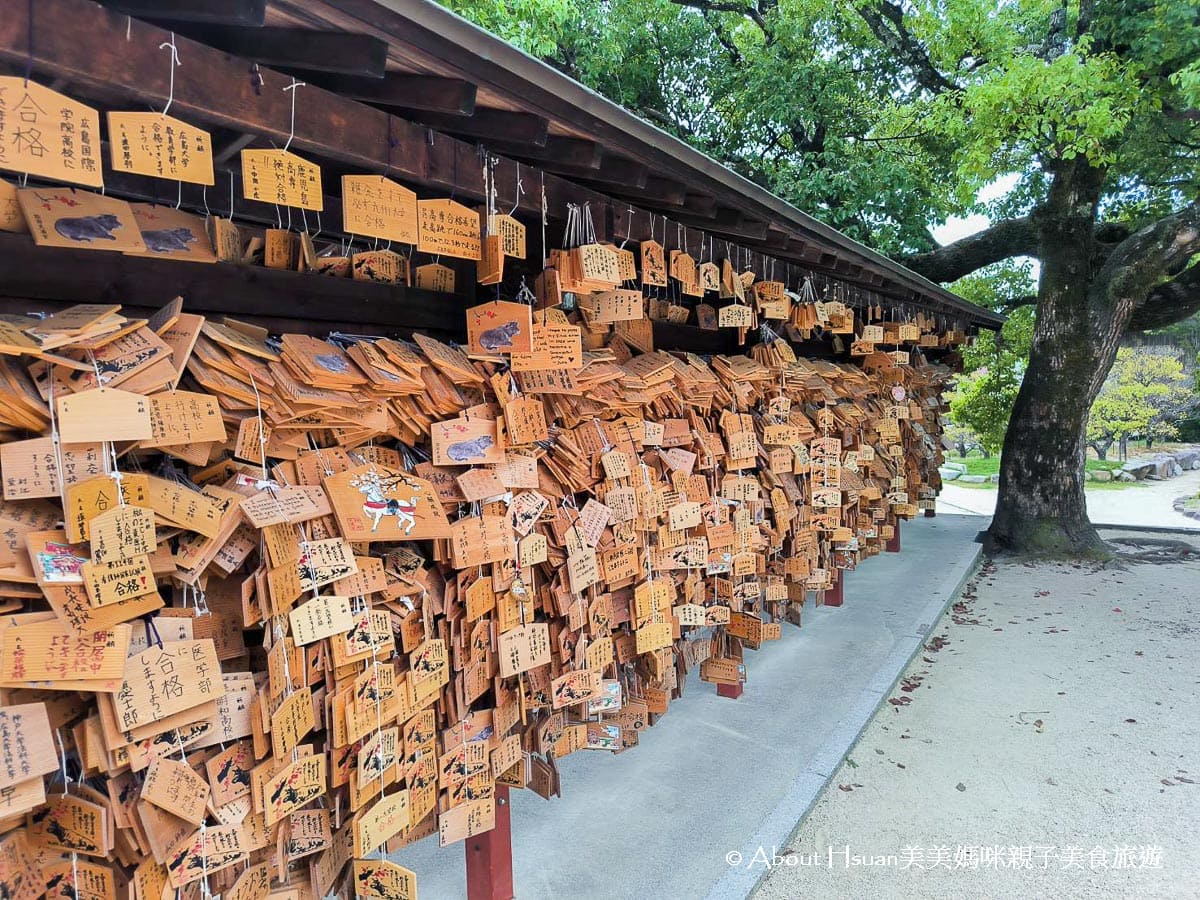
(286,624)
(47,134)
(448,229)
(282,178)
(161,146)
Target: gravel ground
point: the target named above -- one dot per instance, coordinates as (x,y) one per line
(1146,504)
(1049,732)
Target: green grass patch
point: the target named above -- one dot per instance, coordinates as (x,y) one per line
(1088,486)
(977,466)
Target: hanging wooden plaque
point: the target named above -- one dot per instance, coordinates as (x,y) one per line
(11,217)
(499,327)
(449,229)
(150,143)
(375,206)
(511,234)
(553,347)
(172,233)
(65,217)
(465,442)
(382,266)
(434,277)
(383,880)
(735,316)
(491,261)
(282,178)
(654,264)
(47,134)
(378,503)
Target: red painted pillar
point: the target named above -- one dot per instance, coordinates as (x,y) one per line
(833,596)
(489,856)
(732,691)
(893,544)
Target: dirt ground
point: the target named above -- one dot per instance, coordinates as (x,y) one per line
(1046,743)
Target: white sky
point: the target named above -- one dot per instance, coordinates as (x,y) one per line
(957,227)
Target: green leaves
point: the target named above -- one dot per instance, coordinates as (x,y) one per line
(806,98)
(1144,393)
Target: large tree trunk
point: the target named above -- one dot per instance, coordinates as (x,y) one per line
(1084,306)
(1041,507)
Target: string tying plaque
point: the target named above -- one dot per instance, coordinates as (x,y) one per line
(172,65)
(291,90)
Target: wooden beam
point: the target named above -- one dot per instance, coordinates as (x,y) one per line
(87,45)
(665,191)
(744,230)
(560,154)
(299,49)
(726,217)
(616,175)
(700,204)
(776,238)
(497,127)
(94,276)
(617,170)
(231,148)
(215,199)
(251,13)
(399,90)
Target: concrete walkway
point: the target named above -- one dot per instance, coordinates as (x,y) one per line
(1144,503)
(719,776)
(1046,743)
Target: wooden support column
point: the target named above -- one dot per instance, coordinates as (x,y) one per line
(489,856)
(893,544)
(833,596)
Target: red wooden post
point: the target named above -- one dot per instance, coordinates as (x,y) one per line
(489,856)
(833,596)
(893,544)
(732,691)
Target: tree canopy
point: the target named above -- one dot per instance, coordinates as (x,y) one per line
(1144,394)
(881,118)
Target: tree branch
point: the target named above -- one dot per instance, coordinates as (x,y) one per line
(751,12)
(731,50)
(1012,237)
(1111,232)
(1009,304)
(1137,266)
(886,21)
(1170,302)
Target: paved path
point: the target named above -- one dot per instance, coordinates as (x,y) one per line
(1056,723)
(714,774)
(1149,503)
